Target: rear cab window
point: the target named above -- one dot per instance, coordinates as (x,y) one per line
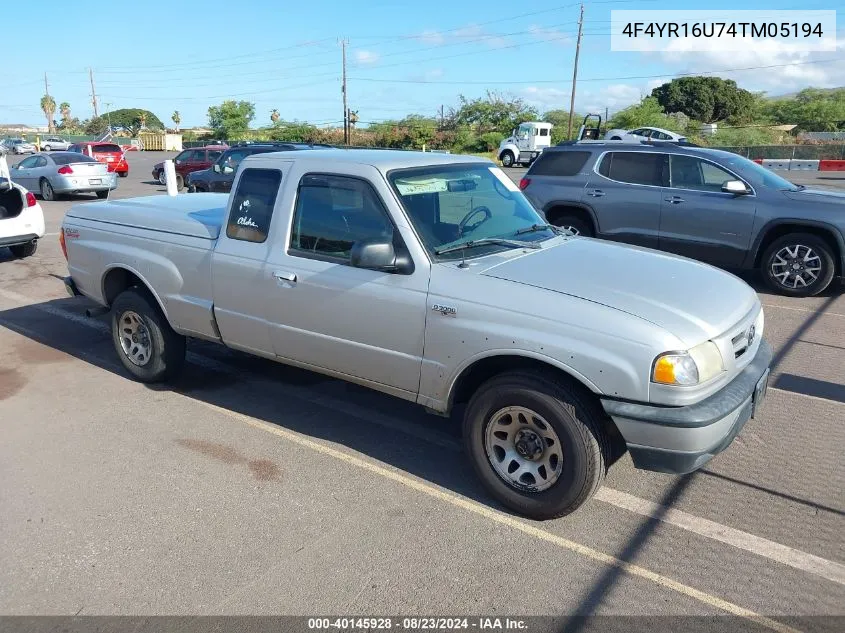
(559,163)
(252,205)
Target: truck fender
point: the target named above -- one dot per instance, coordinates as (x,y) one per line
(142,278)
(511,147)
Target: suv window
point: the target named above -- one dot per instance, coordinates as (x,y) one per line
(252,206)
(636,168)
(197,156)
(214,154)
(689,172)
(559,163)
(334,212)
(182,156)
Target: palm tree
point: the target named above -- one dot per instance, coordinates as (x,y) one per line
(48,106)
(64,109)
(274,115)
(176,118)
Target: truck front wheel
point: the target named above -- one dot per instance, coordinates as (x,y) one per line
(537,444)
(145,343)
(508,159)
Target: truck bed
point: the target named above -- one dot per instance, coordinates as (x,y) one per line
(195,215)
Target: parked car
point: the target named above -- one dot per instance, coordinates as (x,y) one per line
(706,204)
(64,172)
(189,161)
(219,178)
(109,153)
(19,146)
(21,219)
(644,133)
(54,143)
(430,277)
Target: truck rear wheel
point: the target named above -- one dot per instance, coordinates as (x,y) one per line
(145,343)
(538,445)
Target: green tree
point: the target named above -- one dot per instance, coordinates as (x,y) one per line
(494,112)
(560,120)
(64,111)
(48,106)
(176,118)
(647,112)
(707,99)
(231,118)
(812,110)
(127,120)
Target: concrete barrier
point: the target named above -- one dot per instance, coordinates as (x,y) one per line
(832,165)
(775,163)
(803,165)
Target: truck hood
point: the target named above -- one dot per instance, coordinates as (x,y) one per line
(693,301)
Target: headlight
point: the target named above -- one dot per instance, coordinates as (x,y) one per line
(692,367)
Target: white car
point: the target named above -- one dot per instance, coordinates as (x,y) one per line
(53,143)
(644,133)
(21,219)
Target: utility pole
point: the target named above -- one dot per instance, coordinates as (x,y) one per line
(93,92)
(46,87)
(575,72)
(343,90)
(441,117)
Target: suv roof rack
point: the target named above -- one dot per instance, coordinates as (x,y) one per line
(681,143)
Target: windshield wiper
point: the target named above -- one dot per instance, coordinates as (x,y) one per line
(539,227)
(499,241)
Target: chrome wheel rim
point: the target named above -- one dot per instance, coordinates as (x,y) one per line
(523,449)
(46,190)
(796,266)
(134,338)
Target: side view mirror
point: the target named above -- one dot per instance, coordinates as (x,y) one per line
(228,170)
(736,187)
(215,168)
(378,254)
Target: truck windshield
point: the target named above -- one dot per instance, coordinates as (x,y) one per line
(455,204)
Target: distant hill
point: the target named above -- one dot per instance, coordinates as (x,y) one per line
(792,95)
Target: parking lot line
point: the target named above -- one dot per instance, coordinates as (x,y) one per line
(810,563)
(794,309)
(739,539)
(506,520)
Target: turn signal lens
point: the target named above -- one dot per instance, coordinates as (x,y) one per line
(62,243)
(696,366)
(524,182)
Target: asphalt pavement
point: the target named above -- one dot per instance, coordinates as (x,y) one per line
(253,488)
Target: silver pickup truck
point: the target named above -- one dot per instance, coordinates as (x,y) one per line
(431,278)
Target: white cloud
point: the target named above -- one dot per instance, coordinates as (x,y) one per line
(366,57)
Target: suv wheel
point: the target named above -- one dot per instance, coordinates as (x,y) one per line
(507,159)
(162,178)
(573,224)
(798,265)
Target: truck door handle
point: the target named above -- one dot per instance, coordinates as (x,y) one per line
(596,193)
(674,199)
(291,277)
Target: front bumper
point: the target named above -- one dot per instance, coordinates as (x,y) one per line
(682,439)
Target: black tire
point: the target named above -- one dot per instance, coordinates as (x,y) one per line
(24,250)
(166,347)
(822,255)
(47,192)
(508,159)
(615,138)
(576,419)
(575,222)
(102,194)
(123,174)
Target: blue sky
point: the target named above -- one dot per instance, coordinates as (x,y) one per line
(403,57)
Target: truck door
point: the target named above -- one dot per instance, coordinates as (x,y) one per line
(238,280)
(326,313)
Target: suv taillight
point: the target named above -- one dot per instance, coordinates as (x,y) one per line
(65,169)
(30,199)
(524,182)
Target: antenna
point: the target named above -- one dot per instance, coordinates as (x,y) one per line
(463,263)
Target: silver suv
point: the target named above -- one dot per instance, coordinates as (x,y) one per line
(706,204)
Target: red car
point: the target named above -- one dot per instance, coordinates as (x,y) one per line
(109,153)
(190,160)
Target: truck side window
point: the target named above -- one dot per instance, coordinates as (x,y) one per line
(333,212)
(252,205)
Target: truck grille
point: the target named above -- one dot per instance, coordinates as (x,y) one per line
(740,343)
